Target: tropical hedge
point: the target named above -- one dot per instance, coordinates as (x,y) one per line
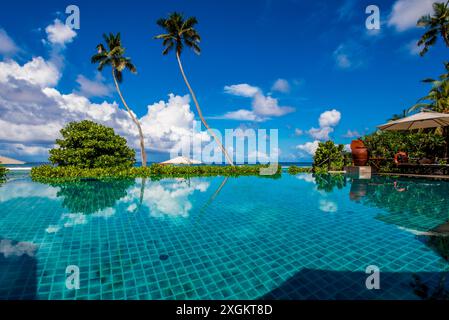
(428,144)
(48,172)
(2,173)
(295,169)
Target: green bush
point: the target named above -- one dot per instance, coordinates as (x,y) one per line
(385,144)
(418,145)
(48,173)
(328,156)
(295,169)
(2,173)
(87,144)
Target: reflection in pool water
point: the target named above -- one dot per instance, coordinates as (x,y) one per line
(413,204)
(297,237)
(165,197)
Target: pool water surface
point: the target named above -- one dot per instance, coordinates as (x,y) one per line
(293,237)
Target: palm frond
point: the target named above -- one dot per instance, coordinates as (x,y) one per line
(113,57)
(436,24)
(180,33)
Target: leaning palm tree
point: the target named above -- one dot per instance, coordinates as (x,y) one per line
(114,57)
(438,97)
(181,32)
(436,24)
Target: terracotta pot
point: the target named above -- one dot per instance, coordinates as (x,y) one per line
(357,144)
(360,156)
(359,153)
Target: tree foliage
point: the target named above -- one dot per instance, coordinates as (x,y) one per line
(179,33)
(385,144)
(329,156)
(87,144)
(438,97)
(2,174)
(113,55)
(436,25)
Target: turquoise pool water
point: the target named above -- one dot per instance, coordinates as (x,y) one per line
(295,237)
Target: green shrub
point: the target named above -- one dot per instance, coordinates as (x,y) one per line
(3,171)
(87,144)
(48,173)
(328,156)
(295,169)
(385,144)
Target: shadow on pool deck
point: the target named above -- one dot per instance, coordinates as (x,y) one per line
(18,270)
(309,284)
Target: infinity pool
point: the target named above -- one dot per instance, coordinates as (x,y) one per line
(294,237)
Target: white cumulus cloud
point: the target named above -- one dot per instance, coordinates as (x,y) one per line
(299,132)
(329,118)
(59,34)
(243,90)
(32,111)
(7,45)
(351,134)
(405,13)
(36,72)
(93,88)
(262,107)
(281,85)
(320,133)
(242,114)
(309,147)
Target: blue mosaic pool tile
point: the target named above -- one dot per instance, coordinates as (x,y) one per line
(259,238)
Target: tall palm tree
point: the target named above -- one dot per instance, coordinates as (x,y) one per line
(436,24)
(181,33)
(114,56)
(438,97)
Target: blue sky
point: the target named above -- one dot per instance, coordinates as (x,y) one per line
(325,57)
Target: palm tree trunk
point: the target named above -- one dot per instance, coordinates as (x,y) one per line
(200,114)
(142,143)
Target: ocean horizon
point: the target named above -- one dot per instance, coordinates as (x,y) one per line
(138,164)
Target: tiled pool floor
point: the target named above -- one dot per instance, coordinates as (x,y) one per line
(296,237)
